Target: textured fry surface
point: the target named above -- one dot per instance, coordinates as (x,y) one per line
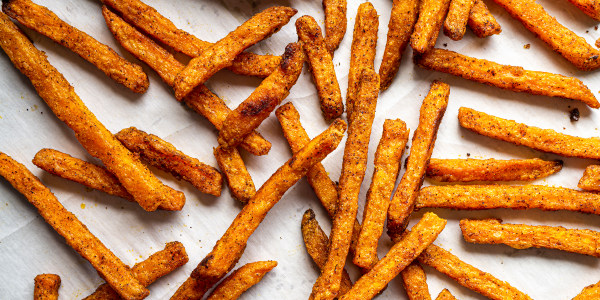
(46,287)
(414,281)
(239,180)
(589,7)
(482,22)
(241,280)
(335,22)
(590,181)
(455,25)
(427,29)
(466,170)
(445,295)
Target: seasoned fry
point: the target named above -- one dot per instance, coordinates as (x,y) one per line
(469,276)
(241,280)
(590,181)
(589,7)
(590,292)
(335,23)
(387,165)
(403,202)
(482,22)
(546,140)
(75,233)
(467,170)
(507,77)
(445,295)
(59,95)
(427,29)
(414,280)
(44,21)
(400,256)
(455,25)
(321,66)
(222,53)
(46,287)
(239,181)
(268,95)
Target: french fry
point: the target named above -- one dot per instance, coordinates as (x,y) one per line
(445,295)
(431,18)
(414,280)
(507,77)
(230,247)
(387,165)
(469,276)
(590,181)
(44,21)
(268,95)
(321,66)
(398,258)
(75,233)
(46,287)
(59,95)
(467,170)
(482,22)
(222,53)
(241,280)
(589,7)
(238,179)
(590,292)
(546,140)
(455,25)
(335,23)
(403,202)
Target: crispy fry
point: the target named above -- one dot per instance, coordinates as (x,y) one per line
(469,276)
(590,292)
(239,181)
(467,170)
(455,25)
(44,21)
(590,181)
(546,140)
(59,95)
(507,77)
(400,256)
(414,280)
(387,165)
(46,287)
(427,29)
(268,95)
(335,23)
(75,233)
(321,66)
(403,202)
(222,53)
(482,22)
(445,295)
(241,280)
(589,7)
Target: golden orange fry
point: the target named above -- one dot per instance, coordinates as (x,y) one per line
(482,22)
(590,181)
(455,25)
(46,287)
(414,280)
(431,18)
(466,170)
(445,295)
(239,180)
(590,292)
(335,23)
(241,280)
(589,7)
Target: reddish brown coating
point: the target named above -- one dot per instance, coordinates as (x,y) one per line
(239,180)
(482,22)
(455,25)
(335,23)
(431,18)
(467,170)
(46,287)
(241,280)
(590,181)
(445,295)
(414,281)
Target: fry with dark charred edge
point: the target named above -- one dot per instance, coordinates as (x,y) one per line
(482,22)
(445,295)
(469,276)
(201,99)
(467,170)
(162,29)
(241,280)
(44,21)
(221,54)
(60,96)
(46,287)
(387,165)
(335,23)
(353,172)
(427,29)
(414,280)
(590,181)
(403,202)
(239,180)
(507,77)
(455,25)
(321,66)
(75,233)
(154,267)
(400,256)
(589,7)
(561,39)
(546,140)
(230,247)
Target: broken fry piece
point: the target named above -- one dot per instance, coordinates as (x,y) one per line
(455,25)
(467,170)
(431,18)
(46,287)
(239,181)
(445,295)
(482,22)
(414,280)
(591,179)
(589,7)
(241,280)
(335,23)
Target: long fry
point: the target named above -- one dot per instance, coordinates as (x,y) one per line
(46,287)
(335,23)
(590,181)
(427,29)
(445,295)
(482,22)
(239,180)
(414,280)
(455,25)
(466,170)
(403,202)
(589,7)
(241,280)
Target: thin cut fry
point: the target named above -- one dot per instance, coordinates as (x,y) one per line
(469,276)
(239,181)
(59,95)
(546,140)
(335,23)
(398,258)
(46,287)
(403,202)
(75,233)
(482,22)
(445,295)
(507,77)
(590,181)
(467,170)
(589,7)
(427,29)
(241,280)
(455,25)
(44,21)
(414,280)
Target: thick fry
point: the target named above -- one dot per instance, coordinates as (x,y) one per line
(239,181)
(590,181)
(75,233)
(59,95)
(268,95)
(546,140)
(387,165)
(400,256)
(335,23)
(589,7)
(455,25)
(467,170)
(445,295)
(241,280)
(482,22)
(469,276)
(231,246)
(507,77)
(46,287)
(222,53)
(431,18)
(321,66)
(166,157)
(414,280)
(44,21)
(403,202)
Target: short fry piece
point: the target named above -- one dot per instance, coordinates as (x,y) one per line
(467,170)
(455,25)
(414,280)
(335,23)
(239,181)
(589,7)
(445,295)
(241,280)
(46,287)
(546,140)
(427,29)
(482,22)
(590,181)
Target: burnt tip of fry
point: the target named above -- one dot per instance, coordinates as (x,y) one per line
(308,216)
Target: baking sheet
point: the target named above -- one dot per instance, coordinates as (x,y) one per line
(28,246)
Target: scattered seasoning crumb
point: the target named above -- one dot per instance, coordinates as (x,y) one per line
(527,46)
(596,27)
(587,31)
(468,154)
(574,115)
(445,45)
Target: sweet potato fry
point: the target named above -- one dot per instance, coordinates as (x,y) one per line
(507,77)
(387,165)
(469,276)
(335,23)
(590,181)
(590,292)
(445,295)
(241,280)
(403,202)
(44,21)
(467,170)
(400,256)
(414,280)
(239,181)
(222,53)
(431,18)
(46,287)
(589,7)
(482,22)
(546,140)
(75,233)
(455,25)
(59,95)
